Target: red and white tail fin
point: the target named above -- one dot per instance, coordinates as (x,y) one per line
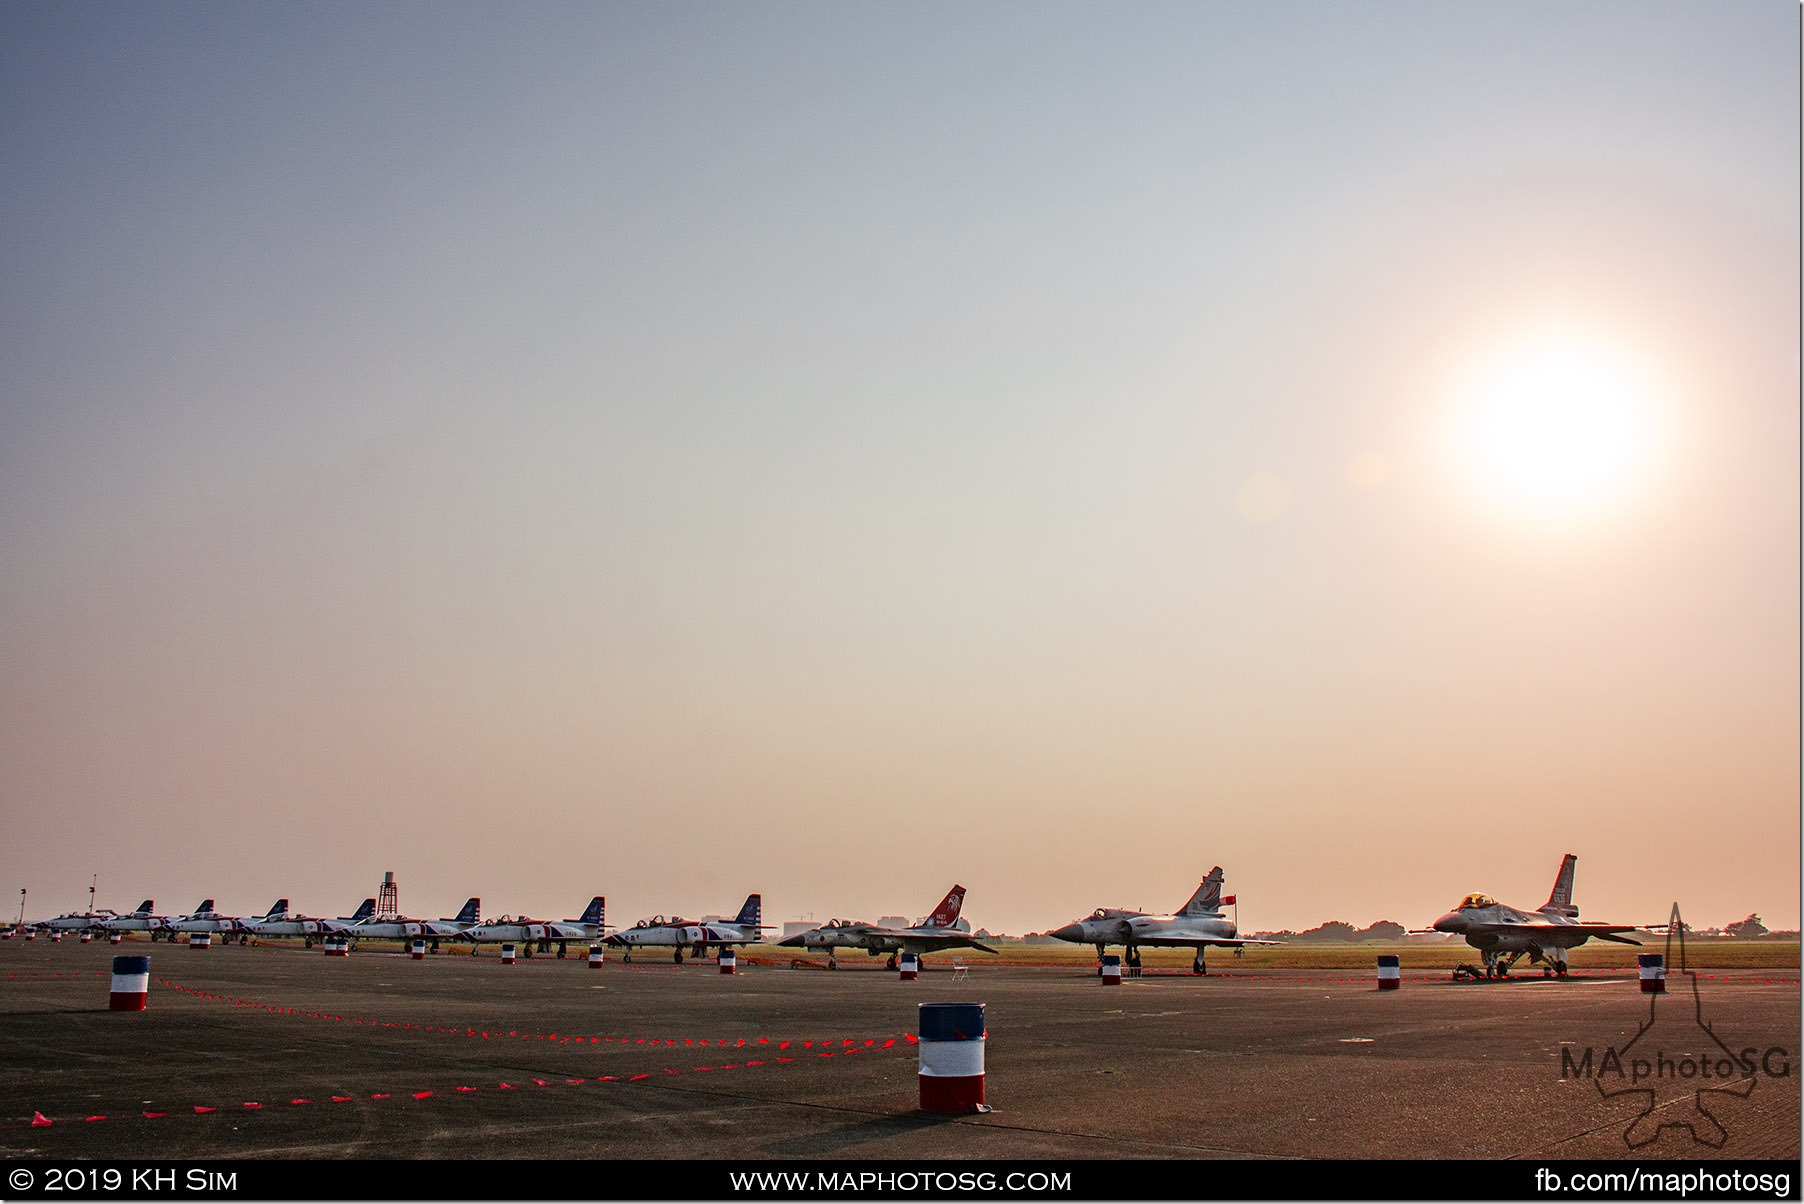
(1560,901)
(946,914)
(1207,899)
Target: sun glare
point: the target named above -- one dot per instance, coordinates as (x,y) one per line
(1556,426)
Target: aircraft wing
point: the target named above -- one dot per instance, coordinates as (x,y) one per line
(1603,932)
(1199,942)
(919,941)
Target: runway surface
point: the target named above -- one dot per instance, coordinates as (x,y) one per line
(280,1052)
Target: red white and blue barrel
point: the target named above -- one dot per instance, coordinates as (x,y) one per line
(729,961)
(56,938)
(338,946)
(114,939)
(952,1037)
(1390,972)
(86,937)
(596,956)
(1111,969)
(507,955)
(131,984)
(1653,973)
(31,934)
(910,967)
(6,934)
(418,949)
(200,940)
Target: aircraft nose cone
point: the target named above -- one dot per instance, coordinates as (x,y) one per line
(1070,932)
(1451,922)
(792,942)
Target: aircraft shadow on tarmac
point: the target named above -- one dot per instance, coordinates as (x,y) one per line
(876,1129)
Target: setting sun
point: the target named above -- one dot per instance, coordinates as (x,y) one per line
(1556,425)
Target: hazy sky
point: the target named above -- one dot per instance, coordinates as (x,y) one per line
(671,451)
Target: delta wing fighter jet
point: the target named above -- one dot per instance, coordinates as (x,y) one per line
(1197,925)
(940,930)
(1501,934)
(696,935)
(589,927)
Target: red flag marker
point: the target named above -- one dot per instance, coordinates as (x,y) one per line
(39,1120)
(421,1094)
(198,1108)
(155,1115)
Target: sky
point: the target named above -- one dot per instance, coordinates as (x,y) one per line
(676,451)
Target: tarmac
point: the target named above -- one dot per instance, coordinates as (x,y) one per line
(280,1052)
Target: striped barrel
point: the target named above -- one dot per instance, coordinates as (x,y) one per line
(114,939)
(909,967)
(952,1037)
(729,962)
(56,938)
(507,955)
(338,946)
(596,956)
(86,937)
(1653,973)
(1111,969)
(6,934)
(31,934)
(131,984)
(200,940)
(1390,972)
(418,949)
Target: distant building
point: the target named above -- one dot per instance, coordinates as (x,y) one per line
(894,922)
(796,927)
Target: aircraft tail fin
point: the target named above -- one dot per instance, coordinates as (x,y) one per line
(205,908)
(471,909)
(1207,899)
(1560,901)
(946,914)
(751,914)
(364,910)
(278,908)
(146,907)
(593,914)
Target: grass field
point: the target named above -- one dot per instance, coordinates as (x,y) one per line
(1702,953)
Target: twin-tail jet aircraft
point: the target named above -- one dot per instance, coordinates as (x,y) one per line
(940,930)
(1501,934)
(589,927)
(1197,925)
(696,935)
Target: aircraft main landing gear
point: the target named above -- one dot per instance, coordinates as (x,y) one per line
(1199,966)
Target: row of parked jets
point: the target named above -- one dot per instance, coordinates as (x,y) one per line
(1501,934)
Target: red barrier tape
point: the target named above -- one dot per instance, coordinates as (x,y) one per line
(39,1120)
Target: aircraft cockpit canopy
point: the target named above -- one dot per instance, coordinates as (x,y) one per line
(1476,900)
(1101,913)
(844,923)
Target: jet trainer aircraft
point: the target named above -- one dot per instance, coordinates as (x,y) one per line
(1197,925)
(589,927)
(203,919)
(1502,934)
(940,930)
(144,919)
(344,924)
(679,934)
(401,928)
